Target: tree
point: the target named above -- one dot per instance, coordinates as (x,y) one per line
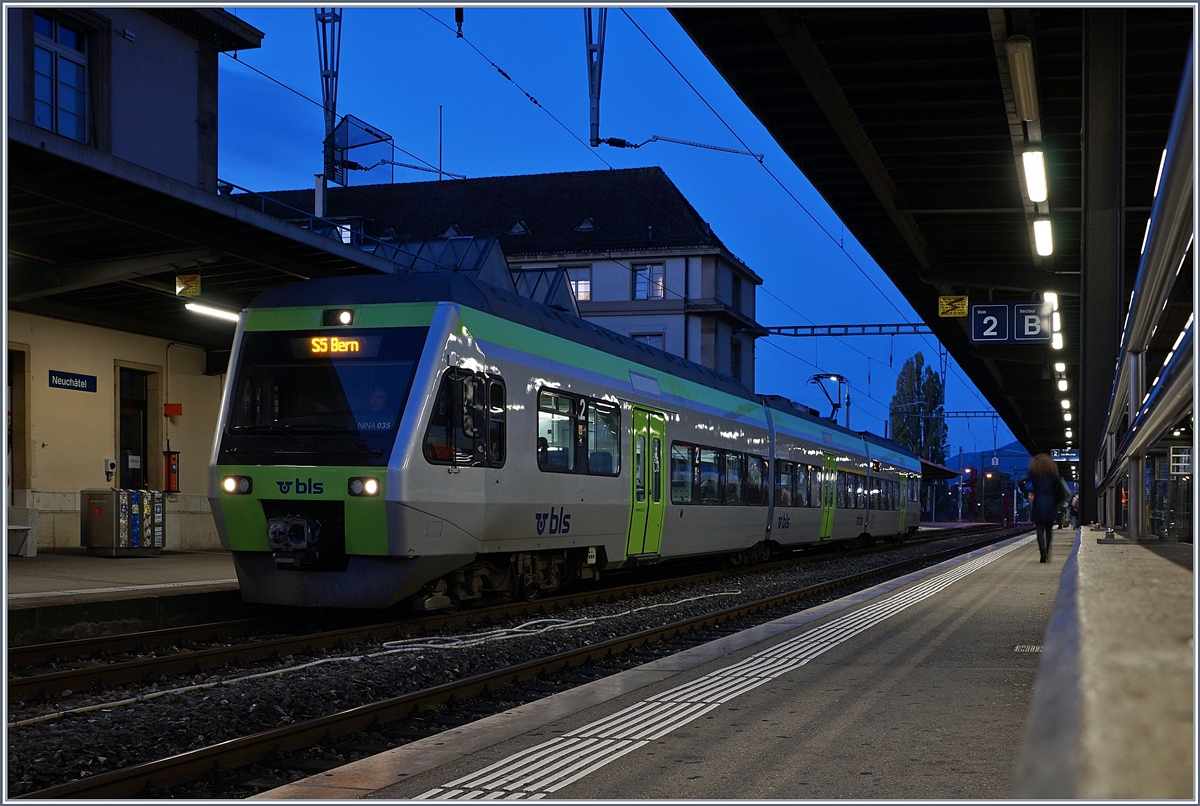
(918,410)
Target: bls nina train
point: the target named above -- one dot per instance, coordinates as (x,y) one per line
(435,438)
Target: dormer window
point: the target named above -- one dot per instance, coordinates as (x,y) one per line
(452,232)
(519,228)
(588,225)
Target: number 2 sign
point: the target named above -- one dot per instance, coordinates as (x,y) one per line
(989,323)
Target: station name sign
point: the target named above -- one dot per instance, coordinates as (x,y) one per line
(69,380)
(1011,323)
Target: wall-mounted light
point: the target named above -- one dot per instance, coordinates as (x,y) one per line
(207,311)
(1043,238)
(1035,175)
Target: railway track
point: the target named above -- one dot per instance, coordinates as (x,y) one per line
(156,776)
(110,674)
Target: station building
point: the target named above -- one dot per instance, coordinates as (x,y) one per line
(638,257)
(94,93)
(115,207)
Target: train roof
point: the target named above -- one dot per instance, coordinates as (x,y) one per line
(481,296)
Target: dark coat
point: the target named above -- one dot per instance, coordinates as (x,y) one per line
(1048,494)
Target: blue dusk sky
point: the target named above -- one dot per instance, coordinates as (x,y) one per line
(400,64)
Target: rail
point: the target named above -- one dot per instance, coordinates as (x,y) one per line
(1168,238)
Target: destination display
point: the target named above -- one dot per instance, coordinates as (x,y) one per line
(335,346)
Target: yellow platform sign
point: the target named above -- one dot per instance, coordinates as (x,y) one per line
(952,306)
(187,285)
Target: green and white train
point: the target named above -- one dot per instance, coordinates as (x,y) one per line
(433,438)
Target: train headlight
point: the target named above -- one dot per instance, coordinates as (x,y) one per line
(237,485)
(338,316)
(364,486)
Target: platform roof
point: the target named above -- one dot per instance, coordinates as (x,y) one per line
(903,119)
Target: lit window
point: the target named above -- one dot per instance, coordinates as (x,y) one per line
(648,281)
(581,283)
(60,78)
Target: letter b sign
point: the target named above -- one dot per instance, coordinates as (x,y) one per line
(1033,322)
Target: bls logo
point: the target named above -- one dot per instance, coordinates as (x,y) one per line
(309,487)
(560,521)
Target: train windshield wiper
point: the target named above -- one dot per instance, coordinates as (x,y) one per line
(275,429)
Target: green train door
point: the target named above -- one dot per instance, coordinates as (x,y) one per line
(828,494)
(903,503)
(649,432)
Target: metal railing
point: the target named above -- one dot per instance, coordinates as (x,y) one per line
(1150,412)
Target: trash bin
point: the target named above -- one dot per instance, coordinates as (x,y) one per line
(121,523)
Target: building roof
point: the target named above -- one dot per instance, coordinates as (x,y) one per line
(619,211)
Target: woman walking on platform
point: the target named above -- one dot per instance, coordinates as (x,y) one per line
(1046,493)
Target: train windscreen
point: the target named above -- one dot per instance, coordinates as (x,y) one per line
(335,392)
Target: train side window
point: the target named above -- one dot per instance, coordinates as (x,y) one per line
(841,489)
(604,439)
(710,476)
(683,457)
(497,424)
(456,430)
(860,491)
(733,478)
(555,432)
(755,471)
(783,484)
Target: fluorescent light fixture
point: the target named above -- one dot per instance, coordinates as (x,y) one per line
(1066,416)
(207,311)
(1056,341)
(1070,433)
(1062,384)
(1060,367)
(1057,322)
(1066,404)
(1043,239)
(1020,67)
(1035,175)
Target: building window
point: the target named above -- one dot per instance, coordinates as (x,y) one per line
(60,78)
(737,294)
(655,340)
(1181,460)
(735,359)
(648,281)
(581,282)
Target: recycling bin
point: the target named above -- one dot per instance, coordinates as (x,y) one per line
(122,523)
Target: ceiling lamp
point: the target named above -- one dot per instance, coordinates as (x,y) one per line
(1062,384)
(1020,67)
(1060,367)
(1043,239)
(1035,175)
(207,311)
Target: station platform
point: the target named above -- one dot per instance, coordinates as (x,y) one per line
(55,595)
(930,686)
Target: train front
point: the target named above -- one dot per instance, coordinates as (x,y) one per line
(299,482)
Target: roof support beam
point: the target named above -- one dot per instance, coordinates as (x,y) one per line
(30,282)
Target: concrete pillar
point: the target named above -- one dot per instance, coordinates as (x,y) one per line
(1102,299)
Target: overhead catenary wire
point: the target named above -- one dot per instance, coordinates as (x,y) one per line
(840,242)
(628,266)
